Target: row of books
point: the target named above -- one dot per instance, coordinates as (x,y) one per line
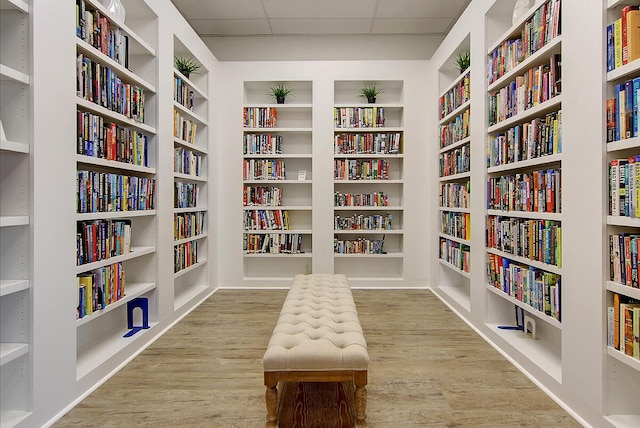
(455,97)
(358,246)
(266,220)
(188,225)
(263,169)
(99,84)
(534,87)
(185,255)
(369,143)
(184,128)
(455,253)
(455,130)
(624,187)
(455,161)
(185,195)
(376,199)
(536,32)
(455,195)
(183,94)
(95,29)
(623,38)
(101,239)
(260,117)
(262,196)
(532,286)
(541,136)
(623,325)
(101,139)
(99,288)
(534,191)
(622,111)
(539,240)
(272,243)
(363,222)
(357,169)
(358,117)
(455,224)
(262,144)
(109,192)
(623,259)
(187,162)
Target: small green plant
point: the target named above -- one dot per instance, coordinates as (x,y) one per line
(370,92)
(186,66)
(463,60)
(280,92)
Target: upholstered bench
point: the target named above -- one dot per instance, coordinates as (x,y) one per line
(318,338)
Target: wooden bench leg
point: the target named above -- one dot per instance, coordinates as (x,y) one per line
(361,398)
(271,398)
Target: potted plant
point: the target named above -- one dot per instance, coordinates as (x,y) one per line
(186,66)
(463,60)
(370,92)
(280,92)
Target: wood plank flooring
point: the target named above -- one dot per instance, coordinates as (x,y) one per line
(428,369)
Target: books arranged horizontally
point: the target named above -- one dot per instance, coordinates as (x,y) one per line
(358,246)
(185,195)
(101,139)
(262,196)
(183,94)
(187,162)
(624,187)
(263,169)
(539,137)
(455,161)
(185,255)
(455,195)
(623,38)
(361,169)
(262,144)
(369,143)
(95,29)
(377,199)
(456,254)
(623,325)
(622,111)
(535,86)
(529,285)
(455,224)
(458,95)
(358,117)
(266,220)
(272,243)
(99,84)
(623,259)
(534,191)
(108,192)
(539,240)
(183,128)
(99,288)
(363,222)
(101,239)
(456,129)
(536,32)
(188,225)
(260,117)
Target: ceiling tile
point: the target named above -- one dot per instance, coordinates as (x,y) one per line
(230,27)
(320,8)
(320,26)
(411,26)
(220,9)
(420,8)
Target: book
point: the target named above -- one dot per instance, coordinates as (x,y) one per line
(631,37)
(617,40)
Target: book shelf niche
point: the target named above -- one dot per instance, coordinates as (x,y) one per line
(277,181)
(368,159)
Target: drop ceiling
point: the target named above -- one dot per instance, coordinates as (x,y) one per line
(321,29)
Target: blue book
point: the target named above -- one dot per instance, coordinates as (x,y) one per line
(635,90)
(610,48)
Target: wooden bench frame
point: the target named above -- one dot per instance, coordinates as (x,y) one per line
(358,377)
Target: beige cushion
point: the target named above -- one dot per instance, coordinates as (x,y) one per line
(318,328)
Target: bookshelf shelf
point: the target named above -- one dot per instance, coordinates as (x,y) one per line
(626,144)
(392,181)
(623,221)
(527,214)
(187,145)
(461,76)
(368,232)
(625,71)
(201,263)
(539,110)
(623,289)
(451,116)
(16,220)
(453,238)
(368,156)
(15,147)
(370,208)
(189,210)
(543,160)
(278,207)
(617,3)
(278,231)
(191,238)
(523,260)
(11,75)
(393,255)
(455,145)
(12,418)
(114,214)
(455,177)
(514,30)
(132,291)
(14,4)
(185,111)
(278,255)
(182,299)
(540,315)
(279,156)
(90,160)
(293,130)
(373,129)
(12,351)
(187,177)
(10,286)
(135,253)
(456,270)
(623,358)
(455,210)
(87,105)
(198,92)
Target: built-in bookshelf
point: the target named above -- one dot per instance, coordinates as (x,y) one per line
(277,179)
(523,202)
(622,375)
(190,174)
(368,165)
(15,211)
(116,183)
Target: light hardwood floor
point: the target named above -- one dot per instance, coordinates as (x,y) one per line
(428,369)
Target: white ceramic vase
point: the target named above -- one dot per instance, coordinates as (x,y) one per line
(521,7)
(116,8)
